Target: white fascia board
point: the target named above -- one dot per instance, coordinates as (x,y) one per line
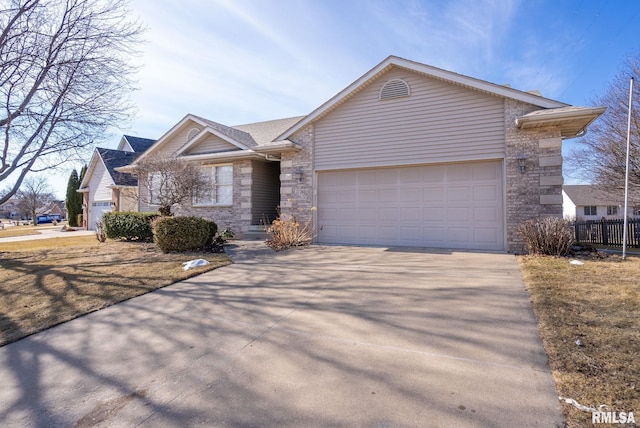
(209,130)
(167,134)
(278,147)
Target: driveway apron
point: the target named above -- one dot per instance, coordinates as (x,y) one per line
(320,336)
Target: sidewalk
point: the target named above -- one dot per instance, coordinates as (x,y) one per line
(46,233)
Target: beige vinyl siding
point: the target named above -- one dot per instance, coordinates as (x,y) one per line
(265,191)
(438,122)
(174,144)
(211,144)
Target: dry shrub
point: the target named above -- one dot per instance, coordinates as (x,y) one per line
(552,236)
(286,231)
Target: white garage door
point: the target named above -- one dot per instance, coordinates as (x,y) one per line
(97,210)
(440,206)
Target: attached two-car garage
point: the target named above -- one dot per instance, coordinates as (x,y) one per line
(458,205)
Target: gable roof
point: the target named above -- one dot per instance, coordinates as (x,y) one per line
(235,134)
(138,144)
(588,195)
(266,132)
(437,73)
(114,159)
(250,138)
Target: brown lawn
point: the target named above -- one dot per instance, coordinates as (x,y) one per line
(49,281)
(598,304)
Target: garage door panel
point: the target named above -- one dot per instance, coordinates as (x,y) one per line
(485,214)
(387,233)
(445,206)
(434,174)
(485,193)
(458,193)
(433,214)
(387,214)
(413,214)
(387,176)
(486,171)
(387,195)
(434,195)
(411,195)
(410,175)
(368,232)
(368,215)
(460,172)
(487,236)
(458,234)
(368,196)
(411,234)
(458,214)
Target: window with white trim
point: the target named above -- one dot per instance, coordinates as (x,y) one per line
(220,190)
(590,210)
(612,210)
(154,187)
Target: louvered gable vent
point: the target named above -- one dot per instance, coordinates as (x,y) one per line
(192,133)
(394,88)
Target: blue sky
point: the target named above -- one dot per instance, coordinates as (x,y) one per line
(240,61)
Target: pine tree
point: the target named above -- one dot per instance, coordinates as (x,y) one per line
(74,204)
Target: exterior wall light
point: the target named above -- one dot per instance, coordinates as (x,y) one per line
(298,174)
(522,162)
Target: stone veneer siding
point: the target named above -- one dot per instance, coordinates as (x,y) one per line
(538,192)
(236,216)
(296,198)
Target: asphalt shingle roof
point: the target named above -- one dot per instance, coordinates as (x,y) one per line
(138,144)
(116,158)
(266,132)
(587,195)
(233,133)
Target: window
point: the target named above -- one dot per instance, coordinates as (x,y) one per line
(591,210)
(220,191)
(612,210)
(155,181)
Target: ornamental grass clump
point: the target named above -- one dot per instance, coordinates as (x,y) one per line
(550,236)
(286,231)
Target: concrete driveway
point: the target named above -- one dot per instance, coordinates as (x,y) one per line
(321,336)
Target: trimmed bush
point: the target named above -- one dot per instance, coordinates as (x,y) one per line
(180,234)
(552,236)
(129,226)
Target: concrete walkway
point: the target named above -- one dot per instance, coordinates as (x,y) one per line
(321,336)
(46,233)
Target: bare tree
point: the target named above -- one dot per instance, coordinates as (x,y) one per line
(65,77)
(34,197)
(167,181)
(600,156)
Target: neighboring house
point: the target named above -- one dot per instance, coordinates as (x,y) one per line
(407,155)
(57,208)
(587,202)
(106,189)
